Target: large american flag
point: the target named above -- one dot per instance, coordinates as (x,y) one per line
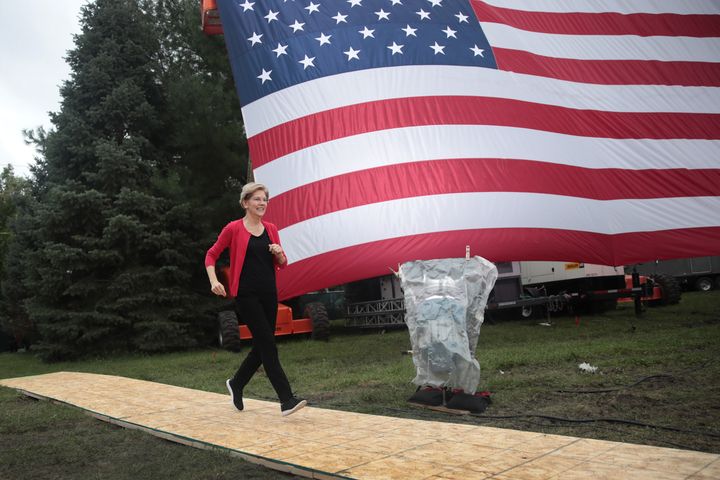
(395,130)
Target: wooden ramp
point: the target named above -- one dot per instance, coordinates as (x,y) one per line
(320,443)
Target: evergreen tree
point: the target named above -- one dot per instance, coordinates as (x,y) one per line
(112,242)
(12,188)
(15,201)
(207,139)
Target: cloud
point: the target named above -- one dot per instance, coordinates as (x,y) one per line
(35,36)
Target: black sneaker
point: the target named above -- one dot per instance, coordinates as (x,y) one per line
(292,406)
(235,395)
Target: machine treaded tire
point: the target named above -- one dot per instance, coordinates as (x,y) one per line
(704,284)
(317,314)
(229,331)
(670,289)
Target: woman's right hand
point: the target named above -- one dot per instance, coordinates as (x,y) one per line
(218,289)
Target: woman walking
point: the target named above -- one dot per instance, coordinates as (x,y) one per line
(255,255)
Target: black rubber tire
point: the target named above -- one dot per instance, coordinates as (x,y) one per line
(229,331)
(704,284)
(670,287)
(317,314)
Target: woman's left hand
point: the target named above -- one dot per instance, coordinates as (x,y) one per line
(276,249)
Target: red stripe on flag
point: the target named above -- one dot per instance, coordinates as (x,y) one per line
(485,175)
(349,264)
(457,110)
(610,72)
(604,23)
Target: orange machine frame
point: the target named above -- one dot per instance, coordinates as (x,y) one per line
(656,293)
(285,325)
(284,322)
(210,17)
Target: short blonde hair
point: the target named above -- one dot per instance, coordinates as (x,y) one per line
(249,188)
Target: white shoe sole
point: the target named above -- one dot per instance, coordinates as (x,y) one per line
(232,397)
(297,407)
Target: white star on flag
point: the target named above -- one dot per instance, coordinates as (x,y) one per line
(423,14)
(450,32)
(438,48)
(248,5)
(307,62)
(352,54)
(395,48)
(367,32)
(396,2)
(265,76)
(323,39)
(477,51)
(355,3)
(435,3)
(255,39)
(339,18)
(383,15)
(462,18)
(409,31)
(280,50)
(313,7)
(296,26)
(271,16)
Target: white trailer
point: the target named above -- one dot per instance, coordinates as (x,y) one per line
(524,287)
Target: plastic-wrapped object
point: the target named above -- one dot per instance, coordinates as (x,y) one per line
(444,308)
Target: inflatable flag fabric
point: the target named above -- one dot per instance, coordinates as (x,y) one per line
(396,130)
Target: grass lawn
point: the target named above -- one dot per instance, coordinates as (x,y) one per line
(531,370)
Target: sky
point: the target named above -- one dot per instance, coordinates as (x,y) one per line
(35,36)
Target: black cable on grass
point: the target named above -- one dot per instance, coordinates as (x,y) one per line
(615,389)
(594,420)
(643,379)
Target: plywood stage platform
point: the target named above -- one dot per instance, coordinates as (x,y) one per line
(320,443)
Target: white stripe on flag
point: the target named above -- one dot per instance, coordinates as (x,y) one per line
(685,7)
(410,144)
(604,47)
(464,211)
(422,80)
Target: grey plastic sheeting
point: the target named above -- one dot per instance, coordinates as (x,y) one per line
(445,303)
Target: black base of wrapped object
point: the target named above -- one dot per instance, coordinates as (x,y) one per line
(429,396)
(477,403)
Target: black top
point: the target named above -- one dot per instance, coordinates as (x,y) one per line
(258,271)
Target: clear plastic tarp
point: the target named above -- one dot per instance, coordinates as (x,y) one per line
(445,303)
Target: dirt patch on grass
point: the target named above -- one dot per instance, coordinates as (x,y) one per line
(685,402)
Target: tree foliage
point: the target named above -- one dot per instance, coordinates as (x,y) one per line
(134,180)
(15,195)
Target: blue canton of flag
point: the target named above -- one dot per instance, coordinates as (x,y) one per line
(275,44)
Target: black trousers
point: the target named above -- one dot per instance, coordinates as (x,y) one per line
(258,310)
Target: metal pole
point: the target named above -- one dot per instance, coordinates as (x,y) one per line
(637,295)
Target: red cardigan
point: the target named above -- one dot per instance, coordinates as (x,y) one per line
(236,236)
